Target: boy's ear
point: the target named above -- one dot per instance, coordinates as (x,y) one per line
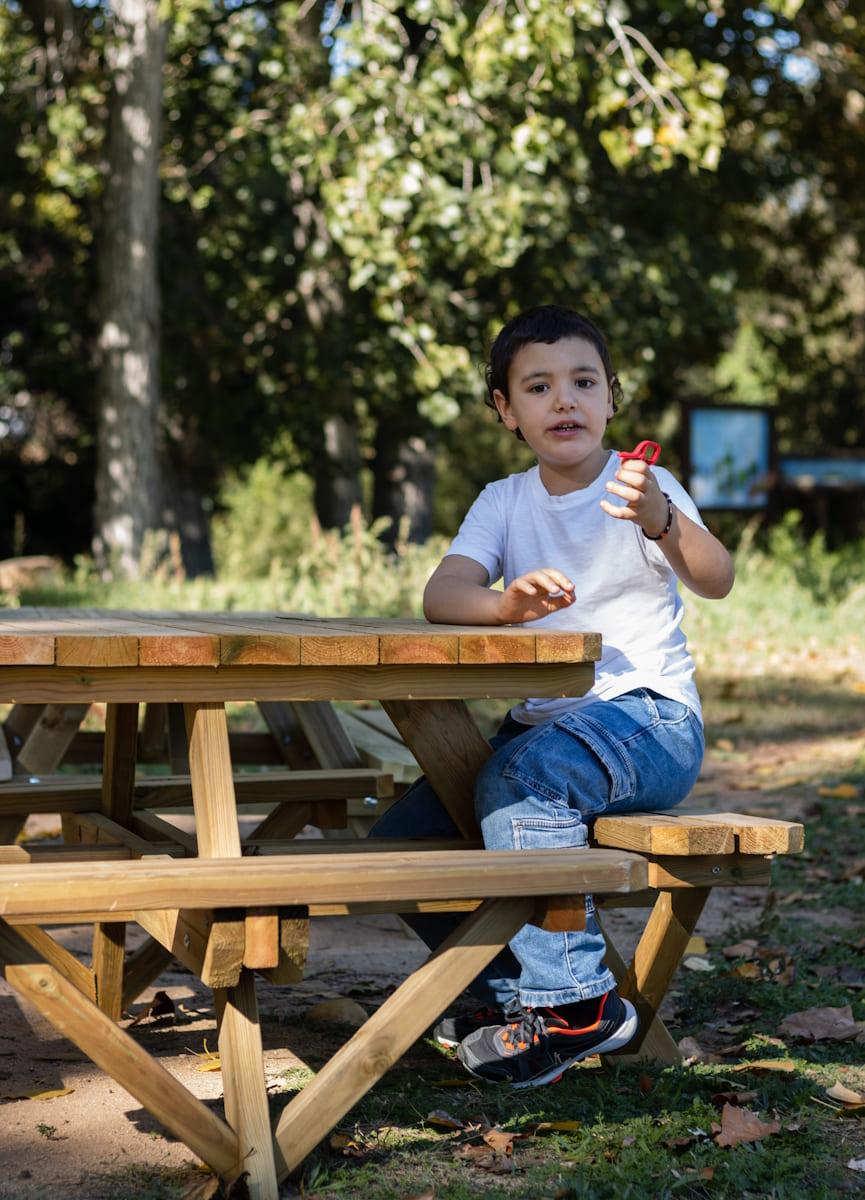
(503,408)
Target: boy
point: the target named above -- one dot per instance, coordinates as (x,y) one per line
(582,541)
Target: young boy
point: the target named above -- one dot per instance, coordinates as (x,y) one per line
(583,540)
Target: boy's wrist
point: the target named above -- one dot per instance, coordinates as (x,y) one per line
(668,522)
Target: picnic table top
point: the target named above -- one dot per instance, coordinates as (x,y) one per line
(66,637)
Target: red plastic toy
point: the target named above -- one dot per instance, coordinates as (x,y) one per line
(649,452)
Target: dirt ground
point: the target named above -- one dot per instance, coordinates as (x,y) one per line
(95,1141)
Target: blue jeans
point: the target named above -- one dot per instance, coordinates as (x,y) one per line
(543,785)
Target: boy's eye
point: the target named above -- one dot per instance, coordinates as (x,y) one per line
(585,383)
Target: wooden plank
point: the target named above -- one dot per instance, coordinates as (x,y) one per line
(46,743)
(418,648)
(83,650)
(246,1108)
(60,959)
(208,944)
(261,937)
(289,740)
(212,781)
(385,1037)
(160,882)
(118,764)
(152,827)
(266,649)
(153,740)
(324,732)
(202,684)
(286,821)
(755,835)
(657,1043)
(112,1049)
(109,944)
(293,947)
(378,749)
(32,650)
(567,647)
(449,749)
(490,647)
(178,749)
(659,953)
(81,793)
(664,833)
(179,650)
(93,828)
(726,870)
(339,651)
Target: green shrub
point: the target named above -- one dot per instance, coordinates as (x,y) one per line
(265,513)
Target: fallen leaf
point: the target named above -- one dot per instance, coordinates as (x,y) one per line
(678,1143)
(52,1094)
(499,1141)
(646,1083)
(725,745)
(843,791)
(747,970)
(212,1063)
(761,1065)
(697,964)
(691,1051)
(443,1120)
(736,1098)
(486,1159)
(846,1096)
(743,949)
(822,1024)
(696,945)
(160,1006)
(856,1164)
(554,1127)
(346,1145)
(422,1196)
(740,1125)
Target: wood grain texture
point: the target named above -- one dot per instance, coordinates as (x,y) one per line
(417,648)
(212,781)
(493,648)
(160,882)
(664,833)
(261,650)
(101,651)
(50,736)
(177,650)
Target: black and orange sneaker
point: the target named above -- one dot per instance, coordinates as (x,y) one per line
(539,1046)
(450,1031)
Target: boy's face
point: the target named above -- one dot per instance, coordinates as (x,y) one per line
(560,400)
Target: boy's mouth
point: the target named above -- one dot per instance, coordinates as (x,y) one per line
(566,427)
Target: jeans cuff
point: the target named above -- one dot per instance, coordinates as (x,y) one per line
(569,995)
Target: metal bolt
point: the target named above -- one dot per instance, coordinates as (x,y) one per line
(187,940)
(34,779)
(370,802)
(716,870)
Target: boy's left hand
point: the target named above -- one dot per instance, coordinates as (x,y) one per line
(645,502)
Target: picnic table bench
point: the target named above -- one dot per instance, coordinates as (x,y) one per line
(230,909)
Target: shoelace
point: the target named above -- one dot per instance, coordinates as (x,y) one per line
(526,1032)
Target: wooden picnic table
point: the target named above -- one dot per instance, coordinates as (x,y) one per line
(422,675)
(229,909)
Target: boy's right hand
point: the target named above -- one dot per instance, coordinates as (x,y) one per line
(535,594)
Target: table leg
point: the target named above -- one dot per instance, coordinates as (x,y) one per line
(118,786)
(237,1008)
(450,749)
(657,1044)
(657,957)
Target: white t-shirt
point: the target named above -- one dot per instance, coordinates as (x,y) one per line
(624,587)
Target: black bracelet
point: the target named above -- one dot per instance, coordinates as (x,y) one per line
(657,537)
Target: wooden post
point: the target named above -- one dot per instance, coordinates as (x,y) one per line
(118,786)
(239,1031)
(450,750)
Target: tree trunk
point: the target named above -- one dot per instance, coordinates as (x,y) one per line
(127,474)
(404,482)
(337,474)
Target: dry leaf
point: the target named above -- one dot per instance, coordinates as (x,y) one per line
(744,949)
(553,1127)
(346,1145)
(499,1141)
(160,1006)
(443,1120)
(646,1083)
(740,1125)
(748,970)
(697,964)
(843,791)
(735,1098)
(678,1143)
(212,1063)
(696,945)
(856,1164)
(822,1025)
(422,1196)
(846,1096)
(52,1094)
(691,1051)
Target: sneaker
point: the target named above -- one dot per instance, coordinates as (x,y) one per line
(450,1031)
(539,1046)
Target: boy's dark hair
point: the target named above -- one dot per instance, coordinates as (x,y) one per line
(545,323)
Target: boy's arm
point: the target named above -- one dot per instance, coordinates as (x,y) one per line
(697,557)
(458,593)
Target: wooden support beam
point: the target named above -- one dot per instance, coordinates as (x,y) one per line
(293,947)
(46,743)
(656,1044)
(261,937)
(389,1032)
(60,959)
(152,827)
(119,1055)
(208,943)
(450,750)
